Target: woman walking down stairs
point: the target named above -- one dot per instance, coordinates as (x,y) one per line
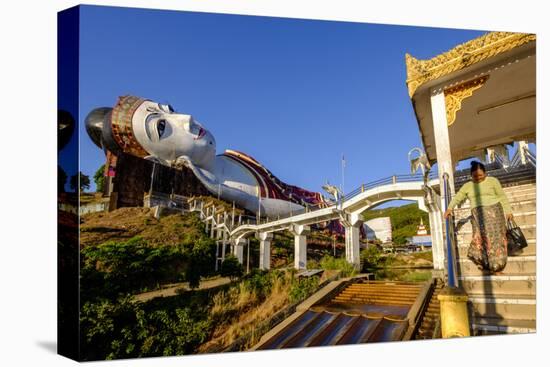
(504,302)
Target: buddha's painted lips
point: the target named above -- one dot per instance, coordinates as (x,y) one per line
(202,132)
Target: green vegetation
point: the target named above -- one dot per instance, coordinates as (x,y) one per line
(128,251)
(118,268)
(231,268)
(331,263)
(404,220)
(394,266)
(99,178)
(371,257)
(80,181)
(303,288)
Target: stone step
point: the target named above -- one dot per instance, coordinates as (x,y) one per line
(519,265)
(496,285)
(381,291)
(368,301)
(530,250)
(507,307)
(490,326)
(519,188)
(374,298)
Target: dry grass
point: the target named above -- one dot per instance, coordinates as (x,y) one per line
(240,311)
(125,223)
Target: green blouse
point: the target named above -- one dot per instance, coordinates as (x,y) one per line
(488,192)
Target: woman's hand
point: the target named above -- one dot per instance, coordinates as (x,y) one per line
(448,212)
(510,216)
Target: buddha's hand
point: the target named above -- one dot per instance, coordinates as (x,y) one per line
(183,161)
(155,159)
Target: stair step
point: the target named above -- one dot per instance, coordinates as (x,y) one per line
(519,265)
(499,284)
(530,250)
(489,326)
(508,307)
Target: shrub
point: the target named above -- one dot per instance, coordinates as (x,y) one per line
(302,288)
(332,263)
(125,329)
(231,268)
(371,257)
(115,268)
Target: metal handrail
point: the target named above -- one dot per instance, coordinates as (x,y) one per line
(531,157)
(364,187)
(450,230)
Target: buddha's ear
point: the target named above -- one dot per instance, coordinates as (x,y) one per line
(65,128)
(95,123)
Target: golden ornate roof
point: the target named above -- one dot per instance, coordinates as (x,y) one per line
(462,56)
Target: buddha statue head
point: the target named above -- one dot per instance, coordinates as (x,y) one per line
(151,130)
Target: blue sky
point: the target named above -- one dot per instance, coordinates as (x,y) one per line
(294,94)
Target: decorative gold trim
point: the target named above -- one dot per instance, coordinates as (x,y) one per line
(455,95)
(121,125)
(462,56)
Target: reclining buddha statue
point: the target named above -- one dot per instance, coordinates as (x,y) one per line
(156,132)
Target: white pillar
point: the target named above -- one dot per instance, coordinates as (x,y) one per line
(442,143)
(265,250)
(438,243)
(352,224)
(238,249)
(300,245)
(522,144)
(352,245)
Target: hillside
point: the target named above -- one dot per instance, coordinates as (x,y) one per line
(125,223)
(404,220)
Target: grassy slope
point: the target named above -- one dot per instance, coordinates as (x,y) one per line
(125,223)
(404,220)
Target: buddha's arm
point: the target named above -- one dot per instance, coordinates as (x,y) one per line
(216,187)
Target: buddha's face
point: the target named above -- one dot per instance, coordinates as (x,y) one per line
(167,135)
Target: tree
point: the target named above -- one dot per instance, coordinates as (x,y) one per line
(99,178)
(231,268)
(84,182)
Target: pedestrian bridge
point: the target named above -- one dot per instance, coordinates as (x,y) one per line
(348,211)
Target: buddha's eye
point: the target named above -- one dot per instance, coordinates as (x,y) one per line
(161,126)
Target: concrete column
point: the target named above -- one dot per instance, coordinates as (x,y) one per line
(352,225)
(522,144)
(265,250)
(212,228)
(352,245)
(438,242)
(442,143)
(300,233)
(238,249)
(223,250)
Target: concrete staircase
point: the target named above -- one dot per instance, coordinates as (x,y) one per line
(430,327)
(374,292)
(506,303)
